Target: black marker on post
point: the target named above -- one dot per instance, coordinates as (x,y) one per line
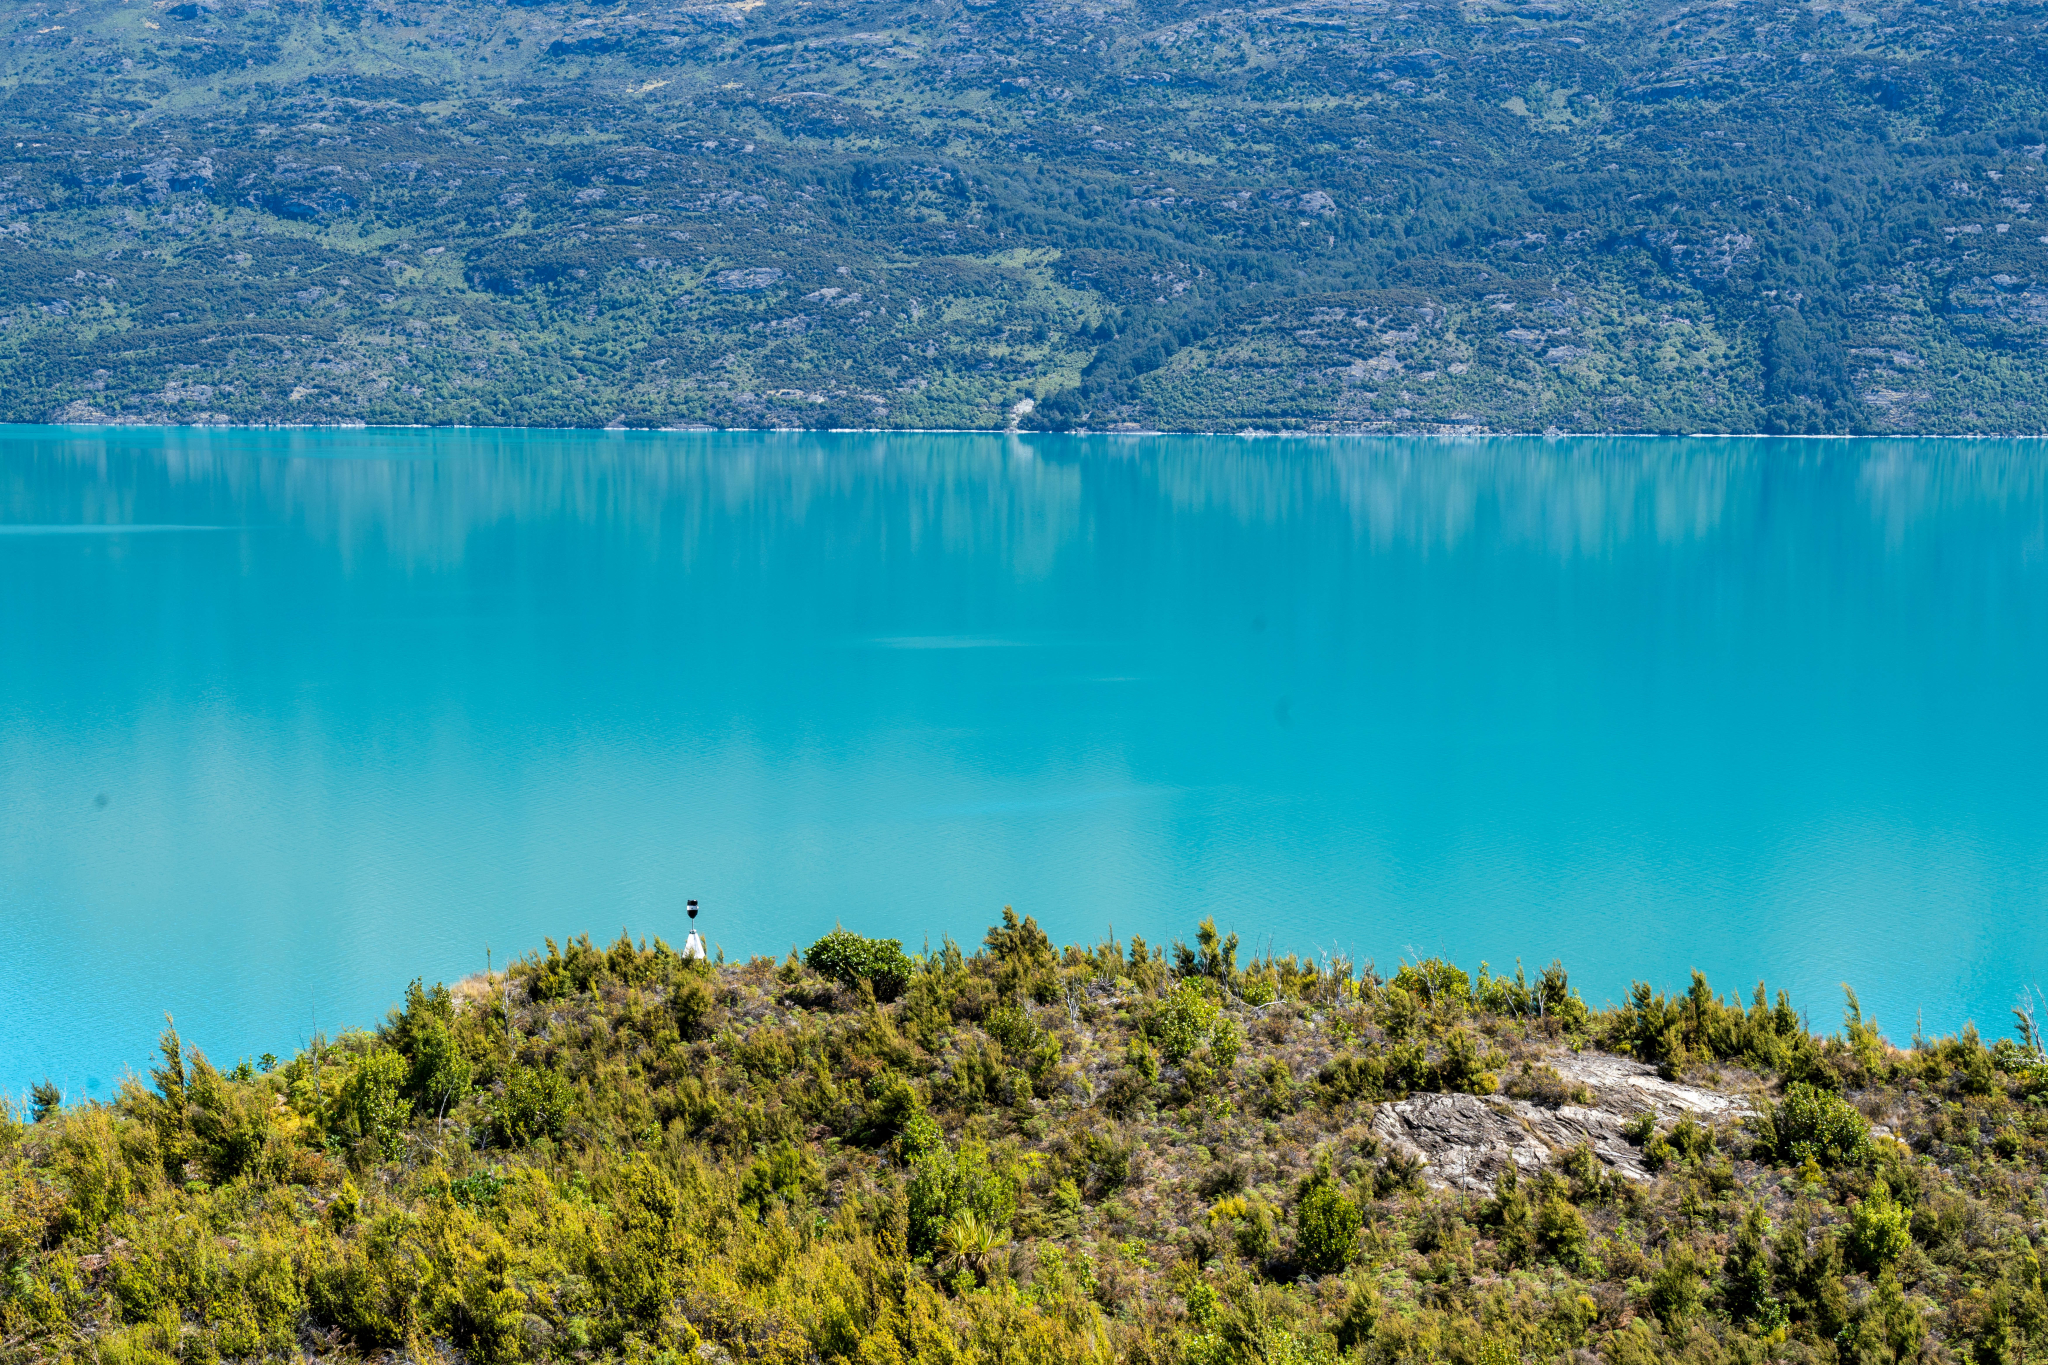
(693,946)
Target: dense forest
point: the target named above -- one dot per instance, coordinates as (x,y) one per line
(1106,1153)
(1323,215)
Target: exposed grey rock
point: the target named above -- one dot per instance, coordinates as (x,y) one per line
(1629,1087)
(1465,1141)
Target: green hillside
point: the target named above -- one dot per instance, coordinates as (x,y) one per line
(1106,1153)
(1104,214)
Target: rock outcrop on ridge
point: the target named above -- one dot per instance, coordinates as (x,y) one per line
(1464,1141)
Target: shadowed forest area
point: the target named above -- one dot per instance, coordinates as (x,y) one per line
(1117,1152)
(1333,215)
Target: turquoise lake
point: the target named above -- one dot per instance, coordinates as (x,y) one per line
(287,718)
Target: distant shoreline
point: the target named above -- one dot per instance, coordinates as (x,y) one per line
(1246,434)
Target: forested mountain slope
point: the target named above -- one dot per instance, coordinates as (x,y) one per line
(1326,215)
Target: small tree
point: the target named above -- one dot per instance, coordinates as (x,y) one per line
(372,1106)
(1746,1274)
(1678,1288)
(45,1099)
(1325,1224)
(438,1074)
(1026,962)
(1878,1230)
(1561,1232)
(1215,955)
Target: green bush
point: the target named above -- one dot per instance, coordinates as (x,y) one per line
(1811,1124)
(1879,1231)
(785,1175)
(1561,1233)
(1325,1226)
(945,1181)
(848,958)
(691,1002)
(1351,1077)
(1746,1280)
(1542,1085)
(89,1158)
(1464,1068)
(1190,1019)
(1249,1220)
(536,1104)
(1678,1288)
(371,1107)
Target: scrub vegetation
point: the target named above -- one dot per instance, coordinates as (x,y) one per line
(1315,215)
(1117,1152)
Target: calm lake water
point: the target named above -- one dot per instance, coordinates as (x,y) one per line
(288,718)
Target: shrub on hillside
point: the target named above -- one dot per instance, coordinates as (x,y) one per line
(1325,1224)
(536,1104)
(753,1158)
(1878,1230)
(848,958)
(1811,1124)
(372,1107)
(945,1182)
